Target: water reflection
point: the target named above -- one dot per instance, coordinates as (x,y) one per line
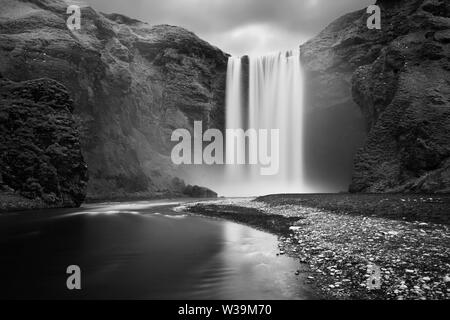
(141,251)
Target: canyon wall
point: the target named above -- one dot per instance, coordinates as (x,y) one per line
(376,98)
(334,125)
(132,85)
(399,77)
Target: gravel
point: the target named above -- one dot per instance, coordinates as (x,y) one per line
(352,256)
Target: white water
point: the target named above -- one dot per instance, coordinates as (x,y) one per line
(275,101)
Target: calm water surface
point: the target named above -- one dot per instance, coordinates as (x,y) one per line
(141,250)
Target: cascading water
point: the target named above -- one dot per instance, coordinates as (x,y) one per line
(275,101)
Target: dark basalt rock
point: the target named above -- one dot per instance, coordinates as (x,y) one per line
(40,152)
(408,148)
(199,192)
(399,77)
(132,85)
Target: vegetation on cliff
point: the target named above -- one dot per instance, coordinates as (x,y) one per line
(41,164)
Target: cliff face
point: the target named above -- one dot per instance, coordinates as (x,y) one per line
(41,164)
(334,125)
(399,77)
(132,85)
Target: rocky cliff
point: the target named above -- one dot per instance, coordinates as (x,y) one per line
(334,125)
(41,164)
(399,76)
(132,85)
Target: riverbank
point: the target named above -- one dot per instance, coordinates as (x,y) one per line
(11,201)
(343,237)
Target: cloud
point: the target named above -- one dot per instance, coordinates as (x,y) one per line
(239,26)
(258,39)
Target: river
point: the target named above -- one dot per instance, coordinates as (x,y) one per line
(141,250)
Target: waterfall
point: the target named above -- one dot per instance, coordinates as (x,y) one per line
(271,98)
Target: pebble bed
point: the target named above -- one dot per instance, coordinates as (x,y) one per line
(359,257)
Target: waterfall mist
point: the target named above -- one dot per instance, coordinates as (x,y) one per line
(316,144)
(266,92)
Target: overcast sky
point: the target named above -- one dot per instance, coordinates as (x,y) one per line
(239,26)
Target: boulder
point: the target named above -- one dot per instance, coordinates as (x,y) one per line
(199,192)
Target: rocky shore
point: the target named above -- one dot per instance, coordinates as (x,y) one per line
(341,246)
